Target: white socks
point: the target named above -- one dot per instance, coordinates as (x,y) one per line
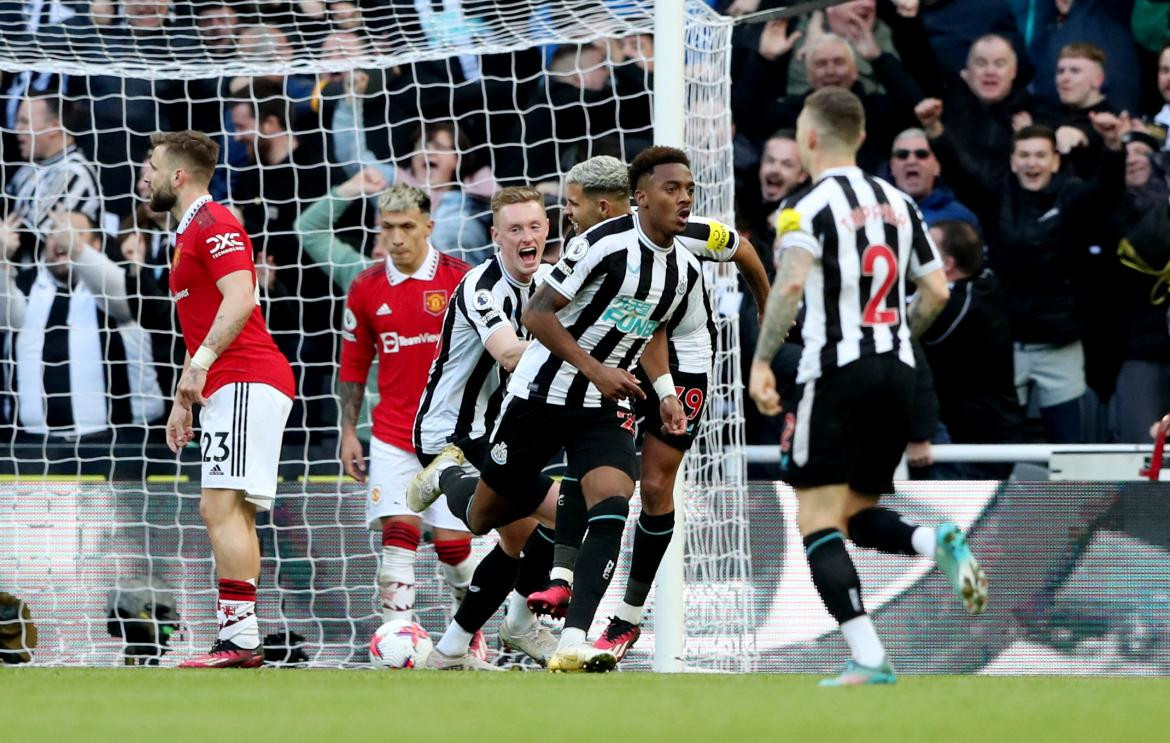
(571,637)
(632,614)
(396,583)
(562,574)
(235,612)
(458,578)
(455,642)
(923,540)
(863,641)
(517,614)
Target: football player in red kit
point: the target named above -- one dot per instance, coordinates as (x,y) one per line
(395,310)
(234,370)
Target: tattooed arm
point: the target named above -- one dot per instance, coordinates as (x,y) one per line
(239,297)
(928,302)
(783,302)
(783,305)
(352,394)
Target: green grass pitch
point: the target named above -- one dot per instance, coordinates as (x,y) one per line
(61,705)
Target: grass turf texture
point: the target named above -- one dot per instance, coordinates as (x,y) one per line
(287,705)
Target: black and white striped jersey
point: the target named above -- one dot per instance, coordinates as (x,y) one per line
(464,388)
(621,288)
(868,238)
(73,369)
(692,329)
(67,179)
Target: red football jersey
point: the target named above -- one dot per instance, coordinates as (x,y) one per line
(400,318)
(210,245)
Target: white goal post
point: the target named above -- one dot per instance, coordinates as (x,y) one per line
(523,89)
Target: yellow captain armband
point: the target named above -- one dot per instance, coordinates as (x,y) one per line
(719,237)
(788,221)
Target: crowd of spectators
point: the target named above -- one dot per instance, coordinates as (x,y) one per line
(1031,133)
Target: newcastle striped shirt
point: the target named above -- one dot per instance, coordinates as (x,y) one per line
(868,238)
(621,287)
(464,389)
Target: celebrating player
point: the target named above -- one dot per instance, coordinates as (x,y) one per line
(482,341)
(395,310)
(234,370)
(606,302)
(846,248)
(596,190)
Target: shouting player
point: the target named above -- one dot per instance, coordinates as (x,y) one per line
(395,310)
(482,342)
(234,370)
(596,190)
(847,247)
(606,302)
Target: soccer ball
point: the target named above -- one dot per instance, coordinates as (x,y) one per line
(400,644)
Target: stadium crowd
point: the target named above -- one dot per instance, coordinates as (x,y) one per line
(989,114)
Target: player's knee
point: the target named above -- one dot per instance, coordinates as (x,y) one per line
(610,513)
(657,494)
(216,507)
(812,519)
(478,521)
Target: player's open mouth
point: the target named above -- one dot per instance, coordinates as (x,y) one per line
(684,214)
(528,254)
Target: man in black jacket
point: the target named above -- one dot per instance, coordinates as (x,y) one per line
(983,104)
(1035,220)
(760,106)
(969,348)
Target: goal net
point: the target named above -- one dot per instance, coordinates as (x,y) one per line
(455,97)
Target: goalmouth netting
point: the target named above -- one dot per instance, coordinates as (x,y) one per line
(317,107)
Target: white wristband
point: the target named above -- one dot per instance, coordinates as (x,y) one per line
(204,358)
(664,387)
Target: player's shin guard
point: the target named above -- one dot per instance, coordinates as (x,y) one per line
(884,530)
(595,565)
(535,561)
(396,574)
(836,580)
(833,574)
(572,520)
(651,538)
(456,563)
(236,612)
(493,579)
(458,486)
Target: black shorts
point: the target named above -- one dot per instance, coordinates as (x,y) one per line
(692,392)
(474,451)
(529,433)
(849,426)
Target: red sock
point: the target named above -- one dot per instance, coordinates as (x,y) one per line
(452,551)
(236,590)
(400,534)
